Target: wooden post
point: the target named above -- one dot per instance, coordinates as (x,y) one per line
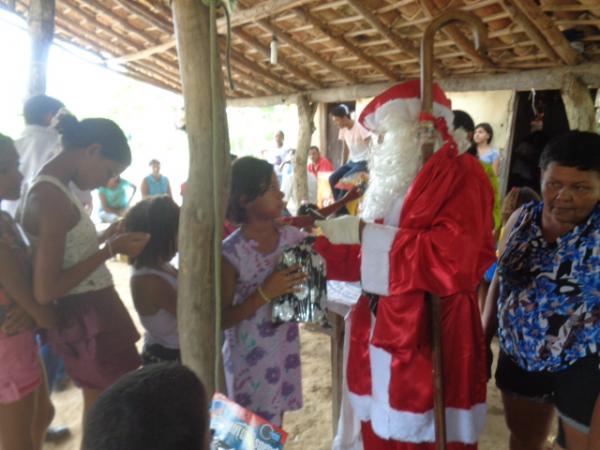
(337,367)
(201,220)
(306,114)
(41,31)
(579,105)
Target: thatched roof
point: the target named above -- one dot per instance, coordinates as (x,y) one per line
(332,43)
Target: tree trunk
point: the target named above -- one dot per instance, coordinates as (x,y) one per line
(306,114)
(41,31)
(203,209)
(579,105)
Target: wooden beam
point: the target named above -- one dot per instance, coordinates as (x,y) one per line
(531,30)
(258,70)
(404,45)
(89,15)
(579,105)
(304,50)
(202,215)
(549,31)
(282,61)
(341,41)
(247,77)
(41,31)
(262,10)
(454,33)
(143,54)
(541,79)
(148,16)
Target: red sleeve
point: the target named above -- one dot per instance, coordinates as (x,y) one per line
(327,166)
(343,261)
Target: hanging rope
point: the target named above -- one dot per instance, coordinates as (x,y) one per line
(217,178)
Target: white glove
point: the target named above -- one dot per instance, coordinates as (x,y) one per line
(341,230)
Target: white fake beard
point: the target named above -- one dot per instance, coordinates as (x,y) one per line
(394,164)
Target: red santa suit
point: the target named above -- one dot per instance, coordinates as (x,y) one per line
(436,238)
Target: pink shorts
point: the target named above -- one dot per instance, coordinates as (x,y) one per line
(20,368)
(96,338)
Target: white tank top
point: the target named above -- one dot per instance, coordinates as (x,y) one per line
(161,327)
(81,241)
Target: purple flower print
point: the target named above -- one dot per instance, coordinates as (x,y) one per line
(273,375)
(255,356)
(243,399)
(292,361)
(287,389)
(292,333)
(266,329)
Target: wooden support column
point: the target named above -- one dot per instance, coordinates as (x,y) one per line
(306,115)
(196,309)
(579,105)
(41,31)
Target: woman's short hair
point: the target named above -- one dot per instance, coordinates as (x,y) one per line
(162,406)
(37,108)
(341,111)
(578,149)
(488,129)
(250,178)
(159,217)
(77,134)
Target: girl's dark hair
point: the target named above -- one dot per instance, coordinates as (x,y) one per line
(81,134)
(578,149)
(488,129)
(341,111)
(159,217)
(250,178)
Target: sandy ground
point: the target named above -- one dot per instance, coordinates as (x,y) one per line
(309,428)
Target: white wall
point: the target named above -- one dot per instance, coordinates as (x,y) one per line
(490,106)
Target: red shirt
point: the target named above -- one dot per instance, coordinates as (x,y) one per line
(324,165)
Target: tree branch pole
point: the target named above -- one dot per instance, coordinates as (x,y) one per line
(306,114)
(579,104)
(203,207)
(41,30)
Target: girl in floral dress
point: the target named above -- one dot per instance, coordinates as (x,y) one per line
(262,360)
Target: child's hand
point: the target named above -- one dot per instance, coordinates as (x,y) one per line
(130,244)
(283,282)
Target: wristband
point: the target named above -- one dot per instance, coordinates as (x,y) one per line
(263,295)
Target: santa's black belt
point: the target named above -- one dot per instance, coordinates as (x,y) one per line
(373,301)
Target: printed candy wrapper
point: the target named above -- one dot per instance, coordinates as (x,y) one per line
(308,305)
(236,428)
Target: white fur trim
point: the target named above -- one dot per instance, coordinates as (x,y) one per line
(462,425)
(377,242)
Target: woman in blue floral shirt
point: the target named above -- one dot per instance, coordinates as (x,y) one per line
(547,295)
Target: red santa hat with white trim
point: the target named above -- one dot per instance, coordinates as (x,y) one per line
(404,102)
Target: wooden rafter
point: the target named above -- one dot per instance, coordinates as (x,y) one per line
(304,50)
(403,44)
(248,83)
(288,66)
(91,17)
(548,30)
(344,43)
(262,10)
(454,33)
(147,15)
(254,68)
(531,30)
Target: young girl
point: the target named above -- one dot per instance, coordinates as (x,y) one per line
(483,137)
(154,280)
(262,360)
(96,337)
(25,409)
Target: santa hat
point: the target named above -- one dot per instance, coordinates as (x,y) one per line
(404,101)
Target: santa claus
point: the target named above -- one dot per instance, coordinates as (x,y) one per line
(425,227)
